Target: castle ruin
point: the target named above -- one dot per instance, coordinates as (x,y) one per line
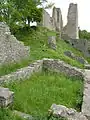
(56,23)
(70,31)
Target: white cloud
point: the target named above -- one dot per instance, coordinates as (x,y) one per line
(83,11)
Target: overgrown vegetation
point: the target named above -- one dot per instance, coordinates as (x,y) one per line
(37,39)
(6,114)
(83,34)
(37,94)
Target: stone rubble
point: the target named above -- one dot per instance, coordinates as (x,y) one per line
(6,97)
(68,113)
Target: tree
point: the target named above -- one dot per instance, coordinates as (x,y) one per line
(21,11)
(83,34)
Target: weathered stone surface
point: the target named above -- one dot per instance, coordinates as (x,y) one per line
(86,97)
(69,113)
(55,22)
(87,66)
(23,115)
(73,56)
(23,73)
(69,54)
(71,29)
(81,60)
(47,21)
(6,97)
(57,19)
(60,66)
(81,44)
(52,42)
(11,50)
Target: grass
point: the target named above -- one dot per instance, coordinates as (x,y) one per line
(35,95)
(6,69)
(6,114)
(37,40)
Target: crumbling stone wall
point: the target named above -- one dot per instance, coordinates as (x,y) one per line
(11,50)
(57,19)
(55,22)
(82,45)
(47,21)
(71,29)
(61,67)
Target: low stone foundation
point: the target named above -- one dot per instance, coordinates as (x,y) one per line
(60,66)
(56,66)
(23,73)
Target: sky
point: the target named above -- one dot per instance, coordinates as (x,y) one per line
(83,11)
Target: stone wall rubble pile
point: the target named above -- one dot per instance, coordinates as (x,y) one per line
(11,50)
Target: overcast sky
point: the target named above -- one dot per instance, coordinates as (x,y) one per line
(83,11)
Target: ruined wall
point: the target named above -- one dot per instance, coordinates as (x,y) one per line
(71,29)
(55,22)
(61,67)
(47,21)
(82,45)
(57,19)
(11,50)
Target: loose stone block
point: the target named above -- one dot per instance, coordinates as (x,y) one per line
(68,113)
(6,97)
(52,42)
(23,115)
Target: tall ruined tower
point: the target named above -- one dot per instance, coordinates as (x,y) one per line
(71,29)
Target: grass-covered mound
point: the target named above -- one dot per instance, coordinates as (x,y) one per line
(37,94)
(37,39)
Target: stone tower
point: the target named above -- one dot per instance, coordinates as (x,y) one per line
(71,29)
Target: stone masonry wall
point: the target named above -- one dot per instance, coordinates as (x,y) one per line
(57,19)
(55,22)
(60,66)
(71,29)
(82,45)
(23,73)
(11,50)
(47,21)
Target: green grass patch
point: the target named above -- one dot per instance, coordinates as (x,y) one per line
(35,95)
(6,69)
